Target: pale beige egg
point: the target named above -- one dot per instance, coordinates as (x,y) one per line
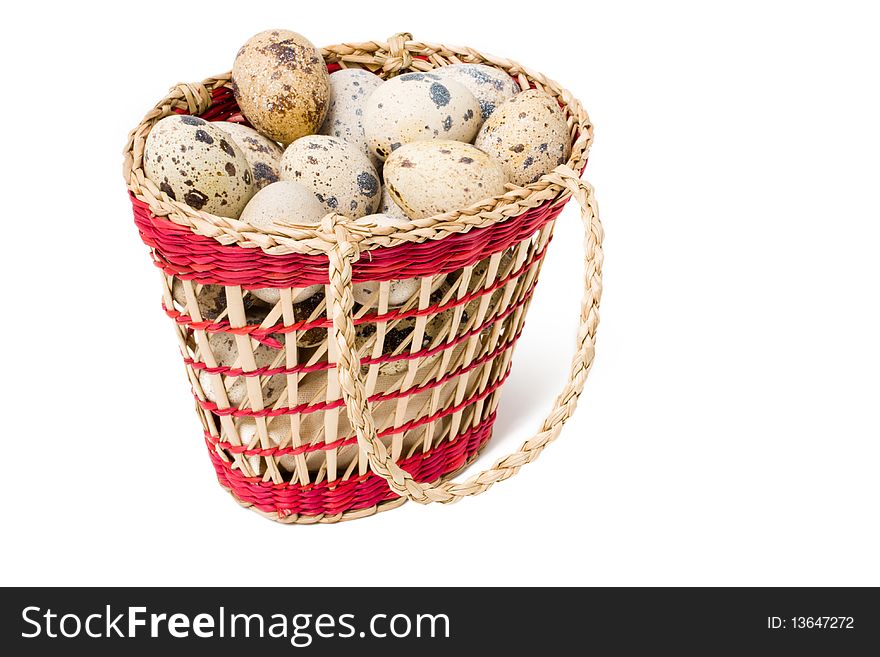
(426,178)
(195,162)
(338,173)
(289,202)
(272,295)
(417,107)
(284,201)
(527,135)
(281,84)
(263,154)
(490,86)
(225,351)
(349,90)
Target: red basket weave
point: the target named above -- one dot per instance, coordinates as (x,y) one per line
(349,467)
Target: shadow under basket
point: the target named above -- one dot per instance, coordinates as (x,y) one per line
(338,373)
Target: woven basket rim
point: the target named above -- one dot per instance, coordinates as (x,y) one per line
(399,54)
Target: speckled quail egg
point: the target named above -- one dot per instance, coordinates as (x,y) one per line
(349,90)
(527,135)
(211,299)
(431,177)
(417,107)
(388,207)
(198,164)
(281,84)
(490,86)
(223,347)
(308,310)
(366,293)
(262,154)
(339,174)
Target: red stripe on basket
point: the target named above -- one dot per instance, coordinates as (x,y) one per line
(180,252)
(352,440)
(258,332)
(358,492)
(379,397)
(422,353)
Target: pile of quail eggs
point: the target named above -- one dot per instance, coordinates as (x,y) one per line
(413,146)
(381,152)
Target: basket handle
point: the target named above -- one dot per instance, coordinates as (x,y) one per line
(351,380)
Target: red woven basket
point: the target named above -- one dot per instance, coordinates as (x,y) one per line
(349,425)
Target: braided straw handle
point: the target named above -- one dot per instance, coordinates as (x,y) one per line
(351,380)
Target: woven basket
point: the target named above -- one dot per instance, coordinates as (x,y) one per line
(331,411)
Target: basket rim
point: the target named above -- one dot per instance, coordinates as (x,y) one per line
(398,54)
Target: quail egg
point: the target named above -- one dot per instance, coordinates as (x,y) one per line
(416,107)
(196,163)
(262,154)
(338,173)
(490,86)
(527,135)
(223,347)
(349,90)
(281,84)
(426,178)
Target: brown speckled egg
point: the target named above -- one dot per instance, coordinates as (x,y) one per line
(339,174)
(223,347)
(527,135)
(262,154)
(490,86)
(349,90)
(431,177)
(198,164)
(419,107)
(281,84)
(388,207)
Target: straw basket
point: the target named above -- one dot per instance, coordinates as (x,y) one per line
(332,411)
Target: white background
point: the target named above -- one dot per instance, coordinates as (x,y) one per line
(728,433)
